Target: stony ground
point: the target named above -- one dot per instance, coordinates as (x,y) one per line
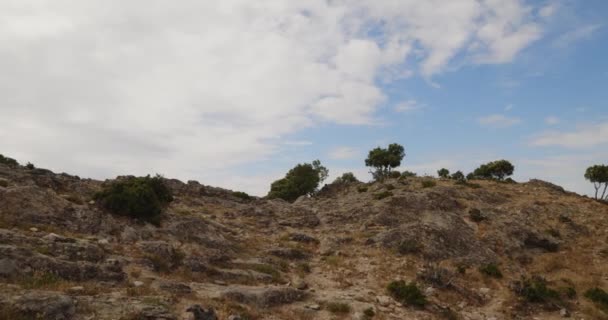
(327,257)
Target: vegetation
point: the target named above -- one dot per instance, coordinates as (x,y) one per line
(382,195)
(383,160)
(345,178)
(408,247)
(598,296)
(362,189)
(30,166)
(303,179)
(8,161)
(458,176)
(476,215)
(428,183)
(443,173)
(337,307)
(408,294)
(408,174)
(535,290)
(491,270)
(242,195)
(497,170)
(143,198)
(368,313)
(598,175)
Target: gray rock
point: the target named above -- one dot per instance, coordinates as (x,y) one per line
(45,305)
(8,268)
(175,287)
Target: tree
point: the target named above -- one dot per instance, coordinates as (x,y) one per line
(384,160)
(598,174)
(8,161)
(494,170)
(443,173)
(303,179)
(458,176)
(347,177)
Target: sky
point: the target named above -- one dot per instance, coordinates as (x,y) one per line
(233,93)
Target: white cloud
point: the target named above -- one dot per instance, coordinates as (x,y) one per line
(552,120)
(343,153)
(106,87)
(583,137)
(509,108)
(408,106)
(548,10)
(580,33)
(498,121)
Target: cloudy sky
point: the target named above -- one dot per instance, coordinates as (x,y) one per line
(235,92)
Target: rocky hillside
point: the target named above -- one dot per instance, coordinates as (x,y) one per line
(402,249)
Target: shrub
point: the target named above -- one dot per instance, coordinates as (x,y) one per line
(345,178)
(8,161)
(598,296)
(428,183)
(390,187)
(143,197)
(458,176)
(476,215)
(383,160)
(303,179)
(494,170)
(3,183)
(362,189)
(382,195)
(241,195)
(408,247)
(443,173)
(408,294)
(30,166)
(598,175)
(535,290)
(337,307)
(369,313)
(491,270)
(408,174)
(394,174)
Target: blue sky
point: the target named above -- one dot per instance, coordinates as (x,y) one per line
(234,93)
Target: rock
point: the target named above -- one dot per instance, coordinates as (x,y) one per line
(429,291)
(300,237)
(129,235)
(234,317)
(8,268)
(155,313)
(301,285)
(384,301)
(45,305)
(315,307)
(34,229)
(484,290)
(137,284)
(202,314)
(57,238)
(564,313)
(103,241)
(265,298)
(76,290)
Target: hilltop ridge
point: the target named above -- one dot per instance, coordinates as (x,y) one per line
(483,250)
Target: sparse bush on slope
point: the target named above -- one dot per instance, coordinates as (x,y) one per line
(405,293)
(8,161)
(143,198)
(347,177)
(303,179)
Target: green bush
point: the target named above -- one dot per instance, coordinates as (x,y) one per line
(598,296)
(408,247)
(3,183)
(383,160)
(428,183)
(143,198)
(8,161)
(408,294)
(476,215)
(337,307)
(362,189)
(408,174)
(303,179)
(241,195)
(443,173)
(369,313)
(30,166)
(535,290)
(345,178)
(491,270)
(394,174)
(390,187)
(382,195)
(458,176)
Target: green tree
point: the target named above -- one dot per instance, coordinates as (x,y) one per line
(303,179)
(598,174)
(458,176)
(383,160)
(347,177)
(443,173)
(8,161)
(494,170)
